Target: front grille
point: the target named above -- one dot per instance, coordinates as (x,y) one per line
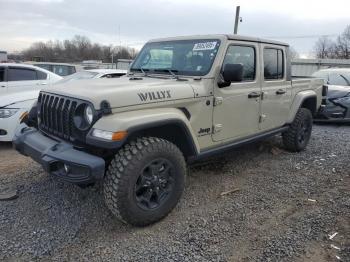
(56,115)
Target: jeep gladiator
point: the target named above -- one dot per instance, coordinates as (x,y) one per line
(184,99)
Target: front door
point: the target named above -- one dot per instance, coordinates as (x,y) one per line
(276,87)
(21,79)
(236,113)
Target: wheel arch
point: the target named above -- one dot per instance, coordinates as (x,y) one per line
(173,130)
(305,99)
(168,123)
(310,103)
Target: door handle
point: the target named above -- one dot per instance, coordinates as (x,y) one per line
(254,95)
(280,92)
(2,86)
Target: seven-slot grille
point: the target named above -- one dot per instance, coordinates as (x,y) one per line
(56,114)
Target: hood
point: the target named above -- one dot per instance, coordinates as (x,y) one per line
(12,98)
(337,91)
(125,91)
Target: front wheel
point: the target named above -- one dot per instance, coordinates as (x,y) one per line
(145,181)
(297,137)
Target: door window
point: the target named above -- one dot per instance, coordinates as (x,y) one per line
(61,70)
(21,74)
(41,75)
(273,64)
(2,74)
(244,55)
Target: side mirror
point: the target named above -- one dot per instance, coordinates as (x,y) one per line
(233,73)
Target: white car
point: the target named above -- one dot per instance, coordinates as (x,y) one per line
(19,88)
(13,107)
(95,73)
(21,77)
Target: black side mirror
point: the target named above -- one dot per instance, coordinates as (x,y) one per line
(233,73)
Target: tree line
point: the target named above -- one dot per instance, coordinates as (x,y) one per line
(80,48)
(77,49)
(336,49)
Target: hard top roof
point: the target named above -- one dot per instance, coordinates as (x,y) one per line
(222,37)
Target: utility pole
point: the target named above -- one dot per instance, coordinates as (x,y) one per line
(237,19)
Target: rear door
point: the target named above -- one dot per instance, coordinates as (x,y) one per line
(3,82)
(21,79)
(236,113)
(276,87)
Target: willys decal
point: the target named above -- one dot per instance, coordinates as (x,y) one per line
(157,95)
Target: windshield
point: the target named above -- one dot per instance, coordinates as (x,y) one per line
(183,57)
(79,76)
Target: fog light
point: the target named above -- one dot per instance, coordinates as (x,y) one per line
(66,168)
(3,132)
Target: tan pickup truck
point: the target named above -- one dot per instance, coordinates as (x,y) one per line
(184,99)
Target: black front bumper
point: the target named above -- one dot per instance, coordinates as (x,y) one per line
(59,158)
(332,112)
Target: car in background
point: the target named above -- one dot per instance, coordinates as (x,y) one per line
(19,88)
(95,73)
(21,77)
(336,104)
(60,69)
(13,108)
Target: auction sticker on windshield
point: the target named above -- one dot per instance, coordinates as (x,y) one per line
(204,46)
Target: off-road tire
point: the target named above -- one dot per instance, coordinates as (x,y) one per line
(124,171)
(301,126)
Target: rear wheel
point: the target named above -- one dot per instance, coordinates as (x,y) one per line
(298,135)
(145,181)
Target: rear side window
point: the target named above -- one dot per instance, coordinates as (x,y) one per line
(2,74)
(244,55)
(44,66)
(273,64)
(21,74)
(41,75)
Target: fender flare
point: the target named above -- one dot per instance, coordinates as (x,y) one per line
(299,99)
(137,121)
(172,122)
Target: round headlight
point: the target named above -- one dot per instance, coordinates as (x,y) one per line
(88,114)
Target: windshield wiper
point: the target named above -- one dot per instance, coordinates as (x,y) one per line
(171,71)
(141,69)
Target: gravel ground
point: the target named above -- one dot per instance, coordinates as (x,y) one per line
(283,207)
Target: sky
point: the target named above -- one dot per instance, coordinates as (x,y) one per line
(132,22)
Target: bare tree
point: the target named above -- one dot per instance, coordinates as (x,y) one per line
(323,47)
(339,49)
(77,49)
(343,44)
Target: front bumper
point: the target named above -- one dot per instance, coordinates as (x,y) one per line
(59,158)
(331,112)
